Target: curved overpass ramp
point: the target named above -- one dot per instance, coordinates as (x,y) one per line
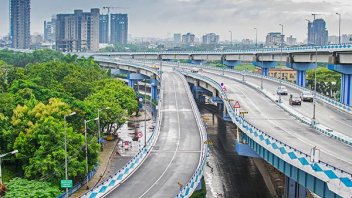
(177,152)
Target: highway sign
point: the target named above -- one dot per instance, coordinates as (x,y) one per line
(237,108)
(243,112)
(66,183)
(140,134)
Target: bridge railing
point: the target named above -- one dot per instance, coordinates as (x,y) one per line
(321,97)
(337,179)
(114,180)
(196,179)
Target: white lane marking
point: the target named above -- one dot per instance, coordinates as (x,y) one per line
(299,136)
(175,152)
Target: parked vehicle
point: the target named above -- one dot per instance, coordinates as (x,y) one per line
(281,90)
(295,99)
(307,96)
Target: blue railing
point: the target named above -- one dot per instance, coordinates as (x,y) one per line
(338,180)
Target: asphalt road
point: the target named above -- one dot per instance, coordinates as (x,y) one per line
(267,116)
(325,114)
(176,153)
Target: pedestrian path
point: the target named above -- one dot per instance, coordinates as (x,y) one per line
(117,153)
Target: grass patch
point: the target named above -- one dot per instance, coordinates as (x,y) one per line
(202,192)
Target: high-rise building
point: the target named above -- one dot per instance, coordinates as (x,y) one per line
(78,31)
(177,38)
(49,30)
(188,39)
(291,41)
(104,29)
(20,21)
(211,39)
(317,32)
(119,28)
(274,39)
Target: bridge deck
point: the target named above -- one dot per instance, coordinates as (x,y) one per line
(326,114)
(267,116)
(177,152)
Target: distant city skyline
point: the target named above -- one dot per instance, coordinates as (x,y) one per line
(161,18)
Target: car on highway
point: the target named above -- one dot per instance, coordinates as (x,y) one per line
(295,99)
(195,70)
(281,90)
(307,96)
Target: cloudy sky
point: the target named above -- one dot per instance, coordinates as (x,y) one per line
(162,18)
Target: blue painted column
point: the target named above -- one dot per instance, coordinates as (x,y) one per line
(301,78)
(231,63)
(198,62)
(346,82)
(154,88)
(131,83)
(265,66)
(293,189)
(301,69)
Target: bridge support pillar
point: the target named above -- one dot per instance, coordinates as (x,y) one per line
(231,64)
(301,69)
(135,77)
(131,83)
(293,189)
(198,62)
(265,66)
(198,94)
(346,82)
(154,88)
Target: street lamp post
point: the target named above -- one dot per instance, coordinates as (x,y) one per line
(145,114)
(315,86)
(230,37)
(98,121)
(282,45)
(86,140)
(339,27)
(261,80)
(3,155)
(256,37)
(66,155)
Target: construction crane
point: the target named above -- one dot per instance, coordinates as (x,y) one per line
(112,8)
(314,15)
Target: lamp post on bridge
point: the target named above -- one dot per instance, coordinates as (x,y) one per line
(230,37)
(282,45)
(339,27)
(315,87)
(256,37)
(86,140)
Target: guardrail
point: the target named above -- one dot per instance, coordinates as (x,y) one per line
(327,100)
(318,127)
(124,173)
(190,187)
(79,185)
(338,180)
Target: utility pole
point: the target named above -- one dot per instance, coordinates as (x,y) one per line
(65,140)
(339,27)
(256,37)
(230,37)
(282,45)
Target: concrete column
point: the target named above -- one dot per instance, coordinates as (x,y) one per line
(346,82)
(301,69)
(293,189)
(154,88)
(346,89)
(198,62)
(265,66)
(301,78)
(231,64)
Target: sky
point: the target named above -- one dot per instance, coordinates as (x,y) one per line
(163,18)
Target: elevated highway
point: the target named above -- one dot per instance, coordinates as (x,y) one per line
(176,154)
(293,136)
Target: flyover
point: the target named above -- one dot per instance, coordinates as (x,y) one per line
(337,57)
(178,154)
(281,140)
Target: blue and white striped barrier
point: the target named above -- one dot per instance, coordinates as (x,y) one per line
(337,180)
(190,187)
(124,173)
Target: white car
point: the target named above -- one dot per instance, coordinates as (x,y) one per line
(281,90)
(307,96)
